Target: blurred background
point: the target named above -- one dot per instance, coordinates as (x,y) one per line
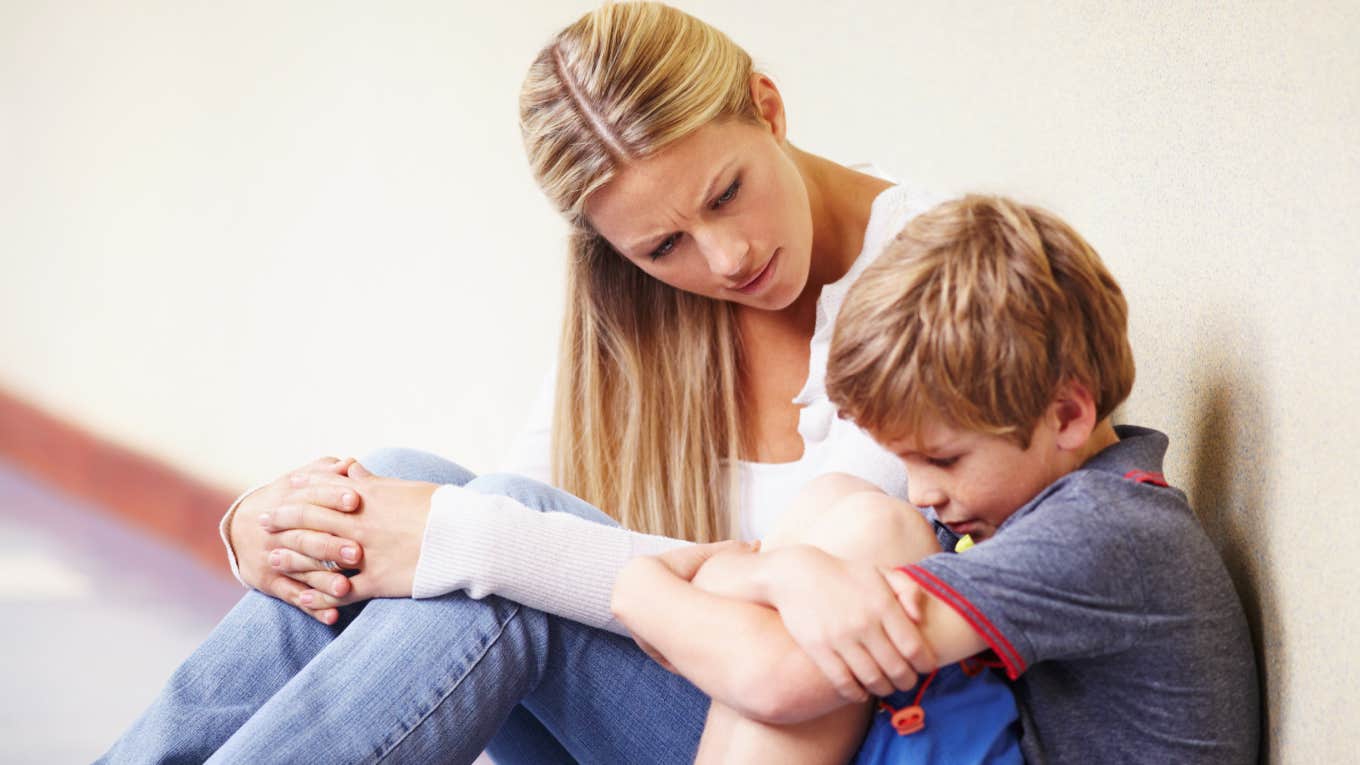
(239,236)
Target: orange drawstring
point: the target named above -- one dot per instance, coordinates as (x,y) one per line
(910,719)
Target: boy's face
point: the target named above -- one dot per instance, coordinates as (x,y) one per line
(975,481)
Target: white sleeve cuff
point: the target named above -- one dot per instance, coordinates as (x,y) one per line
(224,527)
(555,562)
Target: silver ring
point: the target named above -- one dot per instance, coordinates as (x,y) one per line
(330,565)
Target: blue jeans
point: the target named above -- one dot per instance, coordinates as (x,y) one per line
(435,680)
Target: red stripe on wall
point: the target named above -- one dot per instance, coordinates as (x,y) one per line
(142,491)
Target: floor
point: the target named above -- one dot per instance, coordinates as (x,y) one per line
(96,615)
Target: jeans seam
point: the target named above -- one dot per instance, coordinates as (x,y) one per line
(471,666)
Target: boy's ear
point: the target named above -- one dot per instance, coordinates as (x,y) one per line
(1074,413)
(769,105)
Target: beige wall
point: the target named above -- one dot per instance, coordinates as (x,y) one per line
(239,235)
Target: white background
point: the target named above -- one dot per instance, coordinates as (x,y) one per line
(241,235)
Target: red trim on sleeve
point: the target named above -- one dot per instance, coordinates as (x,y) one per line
(1010,658)
(1147,476)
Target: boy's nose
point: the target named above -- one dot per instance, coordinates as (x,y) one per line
(923,495)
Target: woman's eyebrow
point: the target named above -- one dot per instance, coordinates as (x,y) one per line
(713,184)
(650,243)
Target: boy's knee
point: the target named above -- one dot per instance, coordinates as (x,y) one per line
(874,526)
(829,488)
(812,502)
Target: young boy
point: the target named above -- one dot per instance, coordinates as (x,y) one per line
(987,348)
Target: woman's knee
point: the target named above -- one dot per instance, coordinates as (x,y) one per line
(415,465)
(875,527)
(538,496)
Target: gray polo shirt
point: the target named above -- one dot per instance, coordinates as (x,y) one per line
(1114,616)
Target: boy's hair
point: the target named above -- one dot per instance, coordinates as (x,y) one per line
(974,315)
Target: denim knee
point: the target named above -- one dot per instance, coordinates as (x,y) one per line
(538,496)
(517,487)
(415,465)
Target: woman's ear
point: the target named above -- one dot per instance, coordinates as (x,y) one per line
(769,105)
(1074,413)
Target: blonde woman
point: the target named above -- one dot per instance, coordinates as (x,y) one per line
(708,261)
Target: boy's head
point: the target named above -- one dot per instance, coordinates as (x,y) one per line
(987,346)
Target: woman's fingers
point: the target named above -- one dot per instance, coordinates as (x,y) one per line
(294,564)
(321,546)
(323,489)
(304,516)
(290,591)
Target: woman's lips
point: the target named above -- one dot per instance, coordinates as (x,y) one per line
(760,279)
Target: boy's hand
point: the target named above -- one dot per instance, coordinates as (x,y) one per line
(848,619)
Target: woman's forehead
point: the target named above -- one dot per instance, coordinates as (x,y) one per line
(654,196)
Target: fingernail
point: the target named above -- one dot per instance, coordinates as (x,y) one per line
(306,598)
(349,554)
(347,499)
(336,590)
(265,518)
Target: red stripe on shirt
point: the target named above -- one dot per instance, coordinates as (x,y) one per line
(1014,663)
(1147,476)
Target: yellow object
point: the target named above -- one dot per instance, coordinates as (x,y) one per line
(964,544)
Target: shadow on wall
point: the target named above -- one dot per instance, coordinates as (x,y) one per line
(1229,486)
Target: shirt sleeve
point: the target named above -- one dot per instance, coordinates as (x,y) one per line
(1061,583)
(223,529)
(556,562)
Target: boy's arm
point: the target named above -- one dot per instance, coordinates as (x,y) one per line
(737,652)
(950,636)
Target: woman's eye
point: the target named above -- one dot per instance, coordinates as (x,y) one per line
(666,246)
(727,196)
(943,462)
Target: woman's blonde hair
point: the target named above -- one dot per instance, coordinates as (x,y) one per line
(975,315)
(646,417)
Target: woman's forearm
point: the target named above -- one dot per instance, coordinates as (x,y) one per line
(556,562)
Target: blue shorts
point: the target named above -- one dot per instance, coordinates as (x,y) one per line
(962,719)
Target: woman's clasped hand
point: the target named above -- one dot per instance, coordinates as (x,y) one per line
(334,510)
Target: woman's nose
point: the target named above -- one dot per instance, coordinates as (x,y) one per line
(725,252)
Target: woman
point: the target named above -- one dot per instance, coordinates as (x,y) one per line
(707,261)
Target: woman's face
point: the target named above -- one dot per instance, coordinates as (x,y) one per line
(722,213)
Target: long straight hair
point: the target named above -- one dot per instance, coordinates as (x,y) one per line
(646,423)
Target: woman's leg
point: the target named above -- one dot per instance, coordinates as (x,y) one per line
(853,519)
(435,679)
(252,653)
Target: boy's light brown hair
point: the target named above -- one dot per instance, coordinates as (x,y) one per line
(973,316)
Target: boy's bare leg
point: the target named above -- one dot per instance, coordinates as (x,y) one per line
(850,518)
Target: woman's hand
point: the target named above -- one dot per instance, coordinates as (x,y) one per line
(847,617)
(388,524)
(287,564)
